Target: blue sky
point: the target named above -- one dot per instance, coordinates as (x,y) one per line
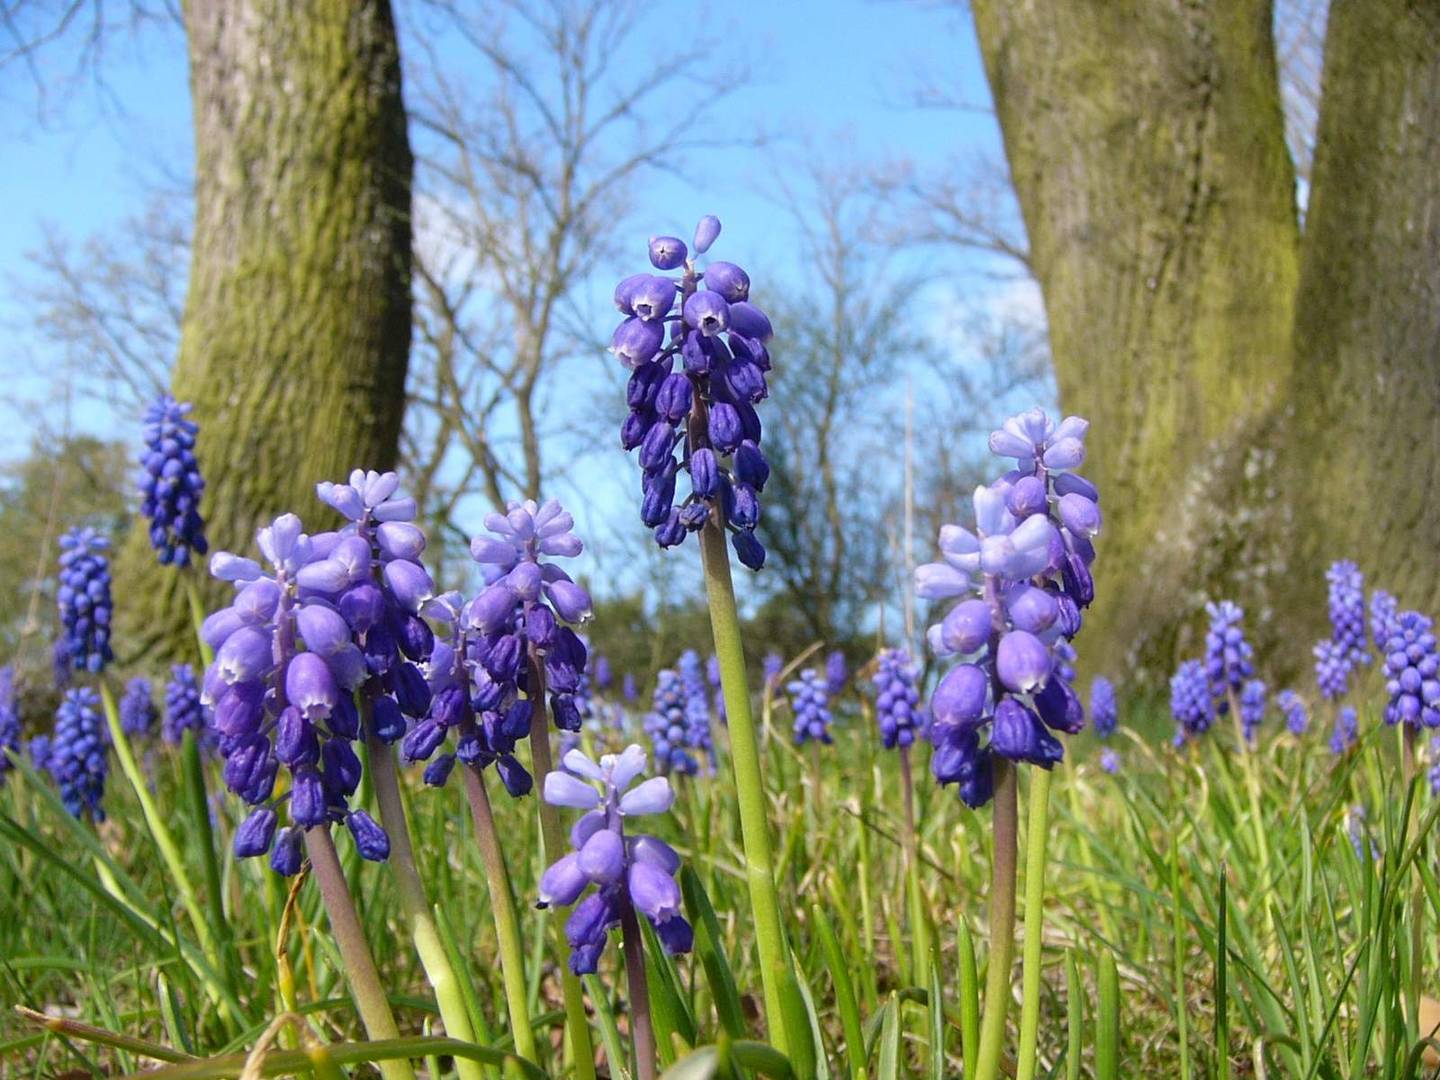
(835,78)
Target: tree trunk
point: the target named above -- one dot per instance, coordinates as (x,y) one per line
(1146,144)
(1367,330)
(297,322)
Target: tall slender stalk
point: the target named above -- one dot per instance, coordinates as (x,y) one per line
(749,784)
(1252,786)
(503,912)
(155,822)
(364,980)
(1417,895)
(642,1031)
(919,919)
(1035,836)
(577,1024)
(1002,922)
(414,904)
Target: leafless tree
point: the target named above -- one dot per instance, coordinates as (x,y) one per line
(532,150)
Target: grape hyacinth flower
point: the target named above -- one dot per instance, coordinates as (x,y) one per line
(170,482)
(636,870)
(1347,730)
(1434,772)
(665,724)
(1103,710)
(137,707)
(771,667)
(61,669)
(1227,653)
(275,704)
(837,674)
(1346,596)
(1297,716)
(1412,672)
(9,719)
(1190,702)
(897,698)
(84,599)
(1332,669)
(628,689)
(1109,761)
(695,347)
(76,754)
(1065,657)
(1383,609)
(486,718)
(1022,578)
(697,708)
(1252,707)
(810,702)
(523,617)
(184,710)
(604,674)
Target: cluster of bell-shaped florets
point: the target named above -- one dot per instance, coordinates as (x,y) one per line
(1332,669)
(75,753)
(1346,731)
(1293,708)
(170,483)
(521,621)
(1412,672)
(897,698)
(83,597)
(666,725)
(635,872)
(1253,696)
(1022,577)
(696,688)
(1384,609)
(1104,710)
(137,707)
(184,711)
(1227,654)
(9,719)
(837,672)
(1104,715)
(695,346)
(1346,598)
(1190,701)
(288,661)
(810,703)
(486,716)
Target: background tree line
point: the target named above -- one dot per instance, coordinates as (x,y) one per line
(1244,346)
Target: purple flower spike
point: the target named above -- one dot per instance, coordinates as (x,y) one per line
(1021,576)
(719,343)
(627,872)
(170,483)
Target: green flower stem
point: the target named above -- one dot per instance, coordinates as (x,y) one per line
(577,1024)
(413,902)
(1002,922)
(503,911)
(1252,786)
(642,1032)
(192,775)
(749,785)
(919,918)
(155,822)
(1035,836)
(365,986)
(197,618)
(1417,897)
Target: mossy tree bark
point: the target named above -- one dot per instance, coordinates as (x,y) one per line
(1191,322)
(297,322)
